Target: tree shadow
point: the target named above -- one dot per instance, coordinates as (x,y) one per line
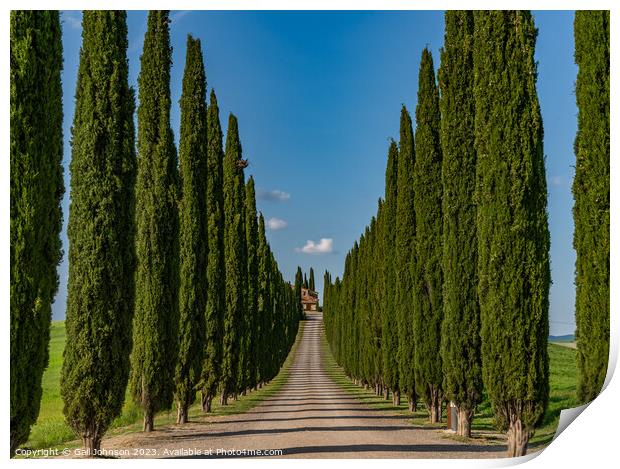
(270,431)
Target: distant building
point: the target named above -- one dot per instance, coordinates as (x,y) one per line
(309,299)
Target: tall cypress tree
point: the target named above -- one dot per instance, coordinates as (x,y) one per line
(299,282)
(460,333)
(311,284)
(513,235)
(591,193)
(263,304)
(378,292)
(193,150)
(156,313)
(427,292)
(251,233)
(306,281)
(389,323)
(36,217)
(101,232)
(214,315)
(234,254)
(404,259)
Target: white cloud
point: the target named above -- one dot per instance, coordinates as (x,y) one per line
(324,246)
(276,224)
(178,16)
(74,21)
(275,195)
(556,181)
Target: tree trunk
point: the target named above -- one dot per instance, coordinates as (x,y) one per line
(386,393)
(434,405)
(518,438)
(182,413)
(205,402)
(396,398)
(92,443)
(235,396)
(224,398)
(148,421)
(464,421)
(411,401)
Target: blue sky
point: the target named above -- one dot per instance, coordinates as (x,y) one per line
(318,95)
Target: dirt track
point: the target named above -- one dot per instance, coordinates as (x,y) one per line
(310,418)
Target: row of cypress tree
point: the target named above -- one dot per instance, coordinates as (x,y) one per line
(446,292)
(173,288)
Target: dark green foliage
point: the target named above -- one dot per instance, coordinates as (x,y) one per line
(251,233)
(591,193)
(263,305)
(460,333)
(235,261)
(311,284)
(513,234)
(193,151)
(156,313)
(378,291)
(36,218)
(299,282)
(306,281)
(427,293)
(389,331)
(404,256)
(101,231)
(214,315)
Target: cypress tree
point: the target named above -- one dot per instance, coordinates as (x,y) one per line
(427,292)
(378,293)
(235,260)
(251,233)
(311,284)
(156,313)
(389,322)
(263,304)
(404,258)
(193,254)
(101,230)
(306,286)
(460,333)
(298,285)
(36,217)
(591,193)
(513,235)
(215,301)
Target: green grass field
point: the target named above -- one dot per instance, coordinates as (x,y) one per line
(563,395)
(51,431)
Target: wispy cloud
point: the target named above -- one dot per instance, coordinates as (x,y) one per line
(73,19)
(324,246)
(272,196)
(179,15)
(276,224)
(557,181)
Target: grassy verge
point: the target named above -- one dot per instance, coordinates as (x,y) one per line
(51,431)
(563,395)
